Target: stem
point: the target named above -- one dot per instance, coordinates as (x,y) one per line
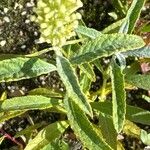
(104,85)
(6,135)
(40,52)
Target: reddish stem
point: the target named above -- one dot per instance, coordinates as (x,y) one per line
(6,135)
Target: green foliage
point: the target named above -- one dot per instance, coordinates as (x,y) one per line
(132,16)
(19,68)
(106,45)
(28,102)
(83,128)
(118,96)
(47,135)
(87,56)
(145,137)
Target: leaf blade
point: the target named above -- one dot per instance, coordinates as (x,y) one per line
(23,68)
(28,102)
(47,135)
(88,32)
(83,128)
(107,45)
(71,83)
(133,15)
(118,96)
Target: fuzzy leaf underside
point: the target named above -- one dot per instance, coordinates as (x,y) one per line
(106,45)
(19,68)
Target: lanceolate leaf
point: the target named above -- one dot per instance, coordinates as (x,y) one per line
(145,137)
(132,16)
(134,114)
(85,83)
(138,80)
(57,145)
(113,28)
(83,128)
(119,6)
(118,96)
(28,103)
(131,129)
(46,92)
(88,32)
(23,68)
(71,83)
(47,135)
(4,116)
(142,52)
(107,129)
(107,45)
(88,70)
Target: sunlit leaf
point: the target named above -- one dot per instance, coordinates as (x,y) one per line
(19,68)
(28,102)
(138,80)
(71,83)
(46,92)
(107,45)
(4,116)
(83,128)
(132,16)
(118,96)
(88,32)
(47,135)
(133,113)
(107,129)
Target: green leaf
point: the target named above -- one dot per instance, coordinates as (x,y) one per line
(114,27)
(118,96)
(27,103)
(88,70)
(107,45)
(71,83)
(4,116)
(142,52)
(29,129)
(146,27)
(138,80)
(134,114)
(133,15)
(147,98)
(57,145)
(83,128)
(47,135)
(88,32)
(145,137)
(131,129)
(107,129)
(2,139)
(119,6)
(85,83)
(46,92)
(23,68)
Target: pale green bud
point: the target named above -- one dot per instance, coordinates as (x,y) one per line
(57,19)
